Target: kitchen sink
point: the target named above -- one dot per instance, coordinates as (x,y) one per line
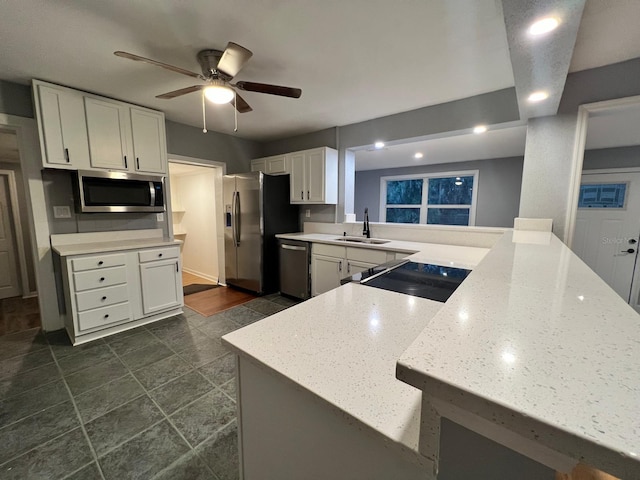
(371,241)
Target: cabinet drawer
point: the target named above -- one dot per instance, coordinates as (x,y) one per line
(158,254)
(101,297)
(98,261)
(365,255)
(330,250)
(99,278)
(101,317)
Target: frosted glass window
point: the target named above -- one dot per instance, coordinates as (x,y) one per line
(602,195)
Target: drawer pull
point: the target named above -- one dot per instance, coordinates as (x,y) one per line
(106,315)
(100,262)
(104,298)
(159,254)
(102,279)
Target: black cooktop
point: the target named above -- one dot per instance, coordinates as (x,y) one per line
(425,280)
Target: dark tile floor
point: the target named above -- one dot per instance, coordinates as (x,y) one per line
(156,402)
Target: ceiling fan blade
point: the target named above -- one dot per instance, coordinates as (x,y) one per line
(241,105)
(182,91)
(270,89)
(233,59)
(138,58)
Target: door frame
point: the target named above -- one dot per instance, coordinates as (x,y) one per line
(17,230)
(220,169)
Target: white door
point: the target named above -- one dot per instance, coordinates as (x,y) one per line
(315,176)
(161,286)
(326,273)
(148,141)
(9,286)
(608,227)
(107,134)
(298,187)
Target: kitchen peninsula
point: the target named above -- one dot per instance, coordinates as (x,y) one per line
(532,351)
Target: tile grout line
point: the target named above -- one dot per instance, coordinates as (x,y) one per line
(75,407)
(169,420)
(166,417)
(78,470)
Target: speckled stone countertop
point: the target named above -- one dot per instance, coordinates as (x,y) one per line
(535,340)
(343,347)
(112,241)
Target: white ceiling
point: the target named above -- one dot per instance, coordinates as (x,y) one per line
(354,60)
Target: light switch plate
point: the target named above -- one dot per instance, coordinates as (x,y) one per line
(61,212)
(160,217)
(308,213)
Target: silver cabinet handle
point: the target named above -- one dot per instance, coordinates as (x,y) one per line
(301,195)
(340,266)
(348,267)
(293,247)
(307,194)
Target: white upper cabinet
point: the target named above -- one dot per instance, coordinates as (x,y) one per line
(298,187)
(62,127)
(314,176)
(81,131)
(277,165)
(106,126)
(149,151)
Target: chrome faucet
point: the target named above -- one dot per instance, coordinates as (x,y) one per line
(366,230)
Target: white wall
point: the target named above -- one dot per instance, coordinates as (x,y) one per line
(194,192)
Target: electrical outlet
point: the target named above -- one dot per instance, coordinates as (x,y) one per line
(160,217)
(62,212)
(308,213)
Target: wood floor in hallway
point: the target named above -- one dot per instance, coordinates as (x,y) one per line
(18,314)
(212,301)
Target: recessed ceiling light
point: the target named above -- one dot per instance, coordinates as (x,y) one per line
(479,129)
(379,145)
(538,96)
(543,26)
(418,155)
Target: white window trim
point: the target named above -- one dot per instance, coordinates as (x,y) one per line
(423,206)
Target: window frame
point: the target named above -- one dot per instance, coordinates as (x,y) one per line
(424,205)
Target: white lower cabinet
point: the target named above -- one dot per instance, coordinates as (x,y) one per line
(110,292)
(332,263)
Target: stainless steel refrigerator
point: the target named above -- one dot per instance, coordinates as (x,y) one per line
(256,208)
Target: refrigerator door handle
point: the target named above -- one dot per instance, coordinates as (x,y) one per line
(237,219)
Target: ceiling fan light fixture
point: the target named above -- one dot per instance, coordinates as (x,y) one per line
(219,93)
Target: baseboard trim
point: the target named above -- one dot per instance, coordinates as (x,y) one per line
(211,278)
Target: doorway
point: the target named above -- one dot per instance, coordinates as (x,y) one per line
(196,207)
(608,229)
(18,303)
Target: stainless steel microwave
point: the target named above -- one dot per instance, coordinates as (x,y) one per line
(118,192)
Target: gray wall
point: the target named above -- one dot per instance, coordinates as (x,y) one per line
(498,188)
(15,99)
(321,138)
(617,80)
(620,157)
(189,141)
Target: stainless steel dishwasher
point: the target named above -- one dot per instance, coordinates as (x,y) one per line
(294,268)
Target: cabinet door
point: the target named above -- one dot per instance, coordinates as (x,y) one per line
(354,266)
(107,130)
(161,286)
(298,188)
(277,165)
(149,148)
(259,165)
(315,176)
(326,273)
(63,128)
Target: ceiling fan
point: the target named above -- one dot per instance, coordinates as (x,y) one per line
(218,69)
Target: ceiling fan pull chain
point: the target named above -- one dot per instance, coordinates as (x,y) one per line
(204,118)
(235,110)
